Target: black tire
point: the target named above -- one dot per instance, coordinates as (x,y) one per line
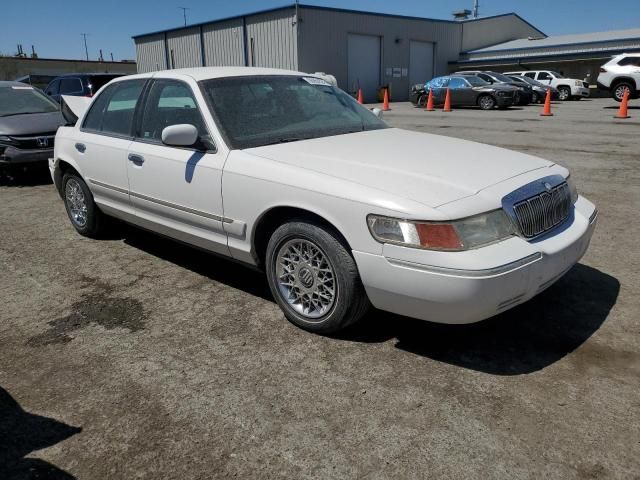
(617,91)
(565,93)
(535,98)
(422,101)
(92,226)
(350,301)
(486,102)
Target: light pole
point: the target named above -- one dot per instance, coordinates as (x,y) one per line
(86,50)
(184,14)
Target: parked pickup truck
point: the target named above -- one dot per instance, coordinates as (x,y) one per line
(569,88)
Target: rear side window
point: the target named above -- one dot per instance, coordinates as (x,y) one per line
(531,75)
(633,61)
(112,112)
(70,85)
(169,102)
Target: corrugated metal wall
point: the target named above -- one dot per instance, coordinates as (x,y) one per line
(150,53)
(492,31)
(184,48)
(223,43)
(322,44)
(272,40)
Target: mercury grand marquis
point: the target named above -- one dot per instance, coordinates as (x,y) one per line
(285,172)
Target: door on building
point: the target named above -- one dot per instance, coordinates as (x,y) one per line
(420,62)
(363,57)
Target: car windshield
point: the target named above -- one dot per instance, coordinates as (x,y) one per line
(476,81)
(264,110)
(556,74)
(500,77)
(21,100)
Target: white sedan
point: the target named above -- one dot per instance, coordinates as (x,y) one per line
(284,171)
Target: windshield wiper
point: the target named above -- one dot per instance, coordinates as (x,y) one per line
(287,140)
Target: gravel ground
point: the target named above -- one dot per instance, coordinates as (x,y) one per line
(134,357)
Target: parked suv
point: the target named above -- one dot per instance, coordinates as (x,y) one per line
(78,84)
(568,88)
(620,73)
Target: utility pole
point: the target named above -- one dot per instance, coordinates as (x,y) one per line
(184,14)
(476,7)
(86,50)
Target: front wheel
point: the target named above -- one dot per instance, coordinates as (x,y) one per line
(487,102)
(314,278)
(84,214)
(535,98)
(564,93)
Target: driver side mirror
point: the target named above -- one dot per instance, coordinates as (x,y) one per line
(377,112)
(181,135)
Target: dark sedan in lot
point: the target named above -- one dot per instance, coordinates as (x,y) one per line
(465,91)
(78,84)
(524,95)
(28,124)
(539,89)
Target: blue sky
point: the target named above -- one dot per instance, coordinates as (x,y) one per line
(55,27)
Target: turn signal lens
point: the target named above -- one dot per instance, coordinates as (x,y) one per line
(438,236)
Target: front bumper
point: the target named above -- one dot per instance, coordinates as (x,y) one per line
(580,92)
(466,287)
(17,156)
(504,101)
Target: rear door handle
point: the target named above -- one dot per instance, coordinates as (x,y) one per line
(135,158)
(81,147)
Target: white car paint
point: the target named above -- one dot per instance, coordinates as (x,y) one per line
(343,179)
(621,68)
(579,89)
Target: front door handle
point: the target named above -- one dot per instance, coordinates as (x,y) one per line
(135,158)
(81,147)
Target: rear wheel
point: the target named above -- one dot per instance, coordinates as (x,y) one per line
(486,102)
(422,101)
(535,98)
(618,91)
(314,278)
(84,214)
(564,93)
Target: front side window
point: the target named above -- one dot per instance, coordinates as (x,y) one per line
(632,61)
(22,100)
(477,82)
(544,76)
(169,103)
(530,75)
(456,83)
(70,85)
(263,110)
(438,82)
(485,77)
(113,110)
(53,88)
(557,75)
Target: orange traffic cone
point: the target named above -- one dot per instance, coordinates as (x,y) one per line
(385,105)
(447,101)
(624,106)
(547,105)
(429,107)
(360,99)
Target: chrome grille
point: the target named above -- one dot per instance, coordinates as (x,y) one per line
(544,211)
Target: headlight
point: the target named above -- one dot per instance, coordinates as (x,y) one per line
(456,235)
(573,189)
(6,140)
(578,83)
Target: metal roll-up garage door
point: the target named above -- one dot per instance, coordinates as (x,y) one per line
(420,62)
(363,52)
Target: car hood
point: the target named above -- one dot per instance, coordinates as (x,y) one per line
(429,169)
(32,123)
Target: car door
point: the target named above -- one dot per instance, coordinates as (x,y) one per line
(439,88)
(177,190)
(461,92)
(103,143)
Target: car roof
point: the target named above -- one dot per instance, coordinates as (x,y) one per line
(208,73)
(8,83)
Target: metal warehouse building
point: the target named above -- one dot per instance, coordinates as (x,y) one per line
(578,56)
(361,49)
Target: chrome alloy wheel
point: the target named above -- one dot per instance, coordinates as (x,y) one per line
(306,278)
(619,91)
(76,202)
